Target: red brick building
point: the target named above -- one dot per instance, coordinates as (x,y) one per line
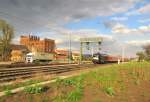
(34,42)
(62,54)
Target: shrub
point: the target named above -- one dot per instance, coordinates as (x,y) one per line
(69,82)
(35,89)
(110,91)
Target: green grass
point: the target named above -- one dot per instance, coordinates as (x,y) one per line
(19,84)
(97,100)
(109,78)
(74,95)
(8,92)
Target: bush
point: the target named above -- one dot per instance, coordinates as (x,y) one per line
(35,89)
(69,82)
(110,91)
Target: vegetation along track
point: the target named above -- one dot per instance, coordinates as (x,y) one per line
(11,74)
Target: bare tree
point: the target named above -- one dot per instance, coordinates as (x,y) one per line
(7,34)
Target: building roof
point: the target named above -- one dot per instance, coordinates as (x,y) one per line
(76,54)
(19,47)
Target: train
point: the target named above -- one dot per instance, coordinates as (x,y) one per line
(105,58)
(39,57)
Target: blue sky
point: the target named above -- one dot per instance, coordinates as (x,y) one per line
(119,22)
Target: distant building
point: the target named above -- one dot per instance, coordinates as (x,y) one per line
(34,43)
(62,54)
(76,57)
(18,53)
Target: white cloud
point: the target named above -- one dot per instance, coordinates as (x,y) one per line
(138,42)
(119,18)
(145,29)
(131,13)
(122,29)
(59,41)
(81,33)
(144,20)
(144,9)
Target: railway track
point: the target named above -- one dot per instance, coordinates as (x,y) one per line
(11,74)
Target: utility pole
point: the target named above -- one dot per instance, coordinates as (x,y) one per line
(123,53)
(70,52)
(92,51)
(81,52)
